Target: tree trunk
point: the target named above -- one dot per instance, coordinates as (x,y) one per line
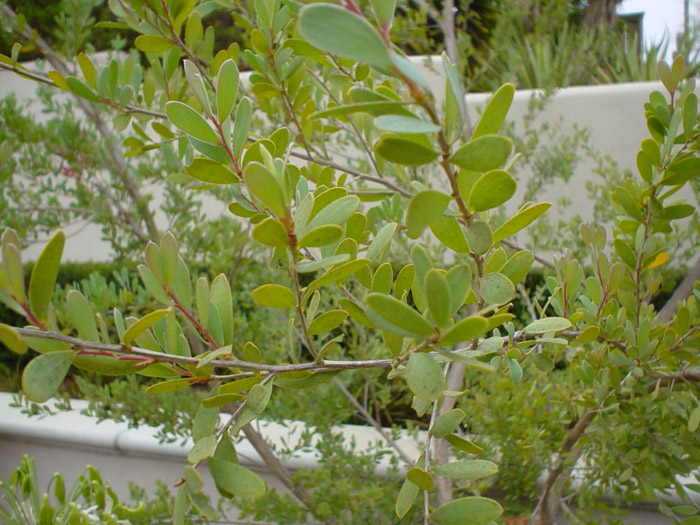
(600,12)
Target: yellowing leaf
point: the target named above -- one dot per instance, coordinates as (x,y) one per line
(660,260)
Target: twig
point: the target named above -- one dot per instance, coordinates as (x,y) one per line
(373,422)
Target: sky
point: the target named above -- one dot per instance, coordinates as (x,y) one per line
(660,16)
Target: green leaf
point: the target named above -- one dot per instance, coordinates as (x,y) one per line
(275,296)
(337,30)
(465,330)
(226,89)
(399,314)
(271,232)
(384,12)
(483,154)
(241,127)
(43,278)
(447,423)
(517,267)
(422,479)
(520,220)
(404,151)
(480,511)
(547,325)
(463,444)
(424,377)
(88,69)
(45,373)
(143,324)
(468,469)
(424,209)
(232,479)
(455,107)
(407,496)
(151,284)
(263,184)
(167,386)
(208,170)
(12,340)
(681,171)
(381,240)
(491,190)
(694,419)
(81,316)
(376,107)
(327,321)
(152,44)
(437,293)
(202,449)
(191,122)
(404,125)
(495,111)
(312,266)
(81,89)
(383,278)
(338,273)
(337,212)
(496,288)
(321,236)
(479,237)
(221,298)
(448,231)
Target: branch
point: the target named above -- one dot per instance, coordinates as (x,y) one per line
(121,349)
(373,422)
(681,292)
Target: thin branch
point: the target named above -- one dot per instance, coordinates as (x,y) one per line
(682,292)
(373,422)
(120,349)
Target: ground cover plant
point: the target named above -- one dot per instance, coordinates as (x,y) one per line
(379,209)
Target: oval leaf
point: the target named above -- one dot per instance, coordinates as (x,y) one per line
(547,325)
(43,279)
(208,170)
(424,209)
(327,322)
(399,314)
(404,151)
(424,377)
(496,288)
(263,184)
(491,190)
(232,479)
(495,111)
(480,511)
(143,324)
(468,469)
(188,120)
(403,124)
(337,30)
(45,373)
(275,296)
(447,423)
(484,153)
(465,330)
(520,220)
(271,232)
